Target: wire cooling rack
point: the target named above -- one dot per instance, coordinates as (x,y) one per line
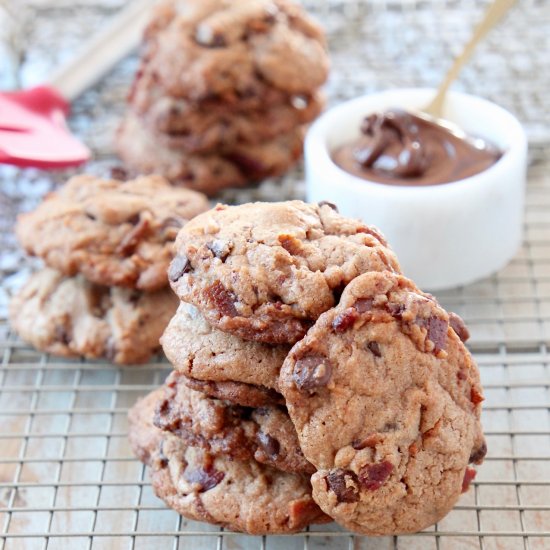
(67,477)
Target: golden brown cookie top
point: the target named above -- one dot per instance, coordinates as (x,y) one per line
(205,48)
(266,271)
(386,401)
(73,317)
(112,232)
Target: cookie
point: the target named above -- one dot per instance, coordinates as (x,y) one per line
(247,395)
(241,433)
(239,495)
(146,90)
(266,271)
(141,152)
(112,232)
(201,49)
(386,401)
(198,350)
(216,125)
(72,317)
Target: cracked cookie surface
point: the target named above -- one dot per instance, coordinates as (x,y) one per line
(266,271)
(112,232)
(235,166)
(214,125)
(386,401)
(264,434)
(72,317)
(206,48)
(239,495)
(200,351)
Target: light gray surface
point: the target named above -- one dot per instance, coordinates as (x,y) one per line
(66,472)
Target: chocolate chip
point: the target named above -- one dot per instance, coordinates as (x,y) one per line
(329,204)
(134,219)
(180,265)
(221,299)
(118,173)
(99,301)
(163,459)
(250,167)
(135,296)
(162,411)
(311,372)
(61,335)
(168,415)
(478,454)
(91,216)
(457,324)
(396,310)
(437,332)
(220,249)
(374,348)
(469,476)
(345,320)
(364,305)
(269,444)
(206,478)
(343,483)
(373,476)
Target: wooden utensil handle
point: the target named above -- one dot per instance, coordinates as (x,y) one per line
(103,50)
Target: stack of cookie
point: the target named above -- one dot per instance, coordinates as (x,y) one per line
(223,92)
(107,245)
(311,380)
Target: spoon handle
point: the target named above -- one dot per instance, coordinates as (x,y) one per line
(493,15)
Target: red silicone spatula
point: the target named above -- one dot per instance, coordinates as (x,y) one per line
(33,129)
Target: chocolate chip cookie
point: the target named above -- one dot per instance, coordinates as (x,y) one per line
(210,173)
(264,434)
(216,125)
(200,351)
(240,495)
(112,232)
(386,401)
(72,317)
(200,49)
(247,395)
(266,271)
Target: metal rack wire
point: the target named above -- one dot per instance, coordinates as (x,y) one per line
(67,476)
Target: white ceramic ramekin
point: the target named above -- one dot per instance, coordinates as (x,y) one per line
(444,235)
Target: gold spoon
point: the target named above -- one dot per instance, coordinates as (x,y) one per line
(433,111)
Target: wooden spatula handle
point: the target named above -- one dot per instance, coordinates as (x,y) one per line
(103,51)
